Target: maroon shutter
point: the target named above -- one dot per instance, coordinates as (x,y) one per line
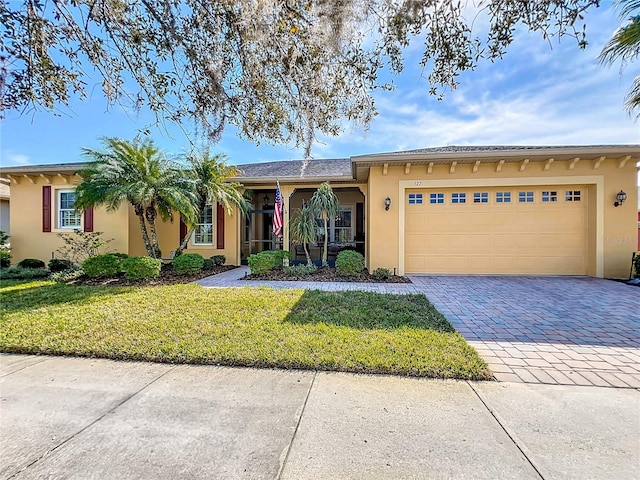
(220,227)
(46,208)
(88,220)
(183,230)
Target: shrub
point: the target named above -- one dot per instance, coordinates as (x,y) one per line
(141,267)
(209,263)
(67,275)
(5,253)
(188,263)
(381,274)
(19,273)
(106,265)
(349,262)
(121,256)
(636,265)
(59,264)
(5,258)
(219,259)
(262,262)
(31,263)
(278,256)
(79,245)
(300,270)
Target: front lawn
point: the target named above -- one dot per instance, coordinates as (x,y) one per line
(346,331)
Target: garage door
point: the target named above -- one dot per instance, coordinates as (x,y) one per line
(518,230)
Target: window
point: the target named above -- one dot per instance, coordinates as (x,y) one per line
(340,228)
(525,197)
(458,198)
(550,196)
(203,234)
(572,195)
(436,198)
(481,197)
(503,197)
(415,199)
(67,215)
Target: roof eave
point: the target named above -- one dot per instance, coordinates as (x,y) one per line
(36,169)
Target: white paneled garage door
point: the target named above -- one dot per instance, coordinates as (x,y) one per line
(497,230)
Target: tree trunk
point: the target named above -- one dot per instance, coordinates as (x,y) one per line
(325,263)
(306,253)
(143,230)
(150,215)
(183,245)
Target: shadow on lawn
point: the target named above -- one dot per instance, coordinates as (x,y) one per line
(367,310)
(28,298)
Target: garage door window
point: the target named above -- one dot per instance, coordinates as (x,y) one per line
(415,199)
(458,198)
(525,197)
(481,197)
(436,198)
(572,195)
(503,197)
(549,196)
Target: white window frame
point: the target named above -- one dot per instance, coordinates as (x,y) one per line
(194,237)
(331,226)
(60,210)
(415,199)
(573,195)
(436,198)
(480,197)
(458,198)
(528,197)
(503,197)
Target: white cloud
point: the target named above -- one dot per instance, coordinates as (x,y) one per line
(11,158)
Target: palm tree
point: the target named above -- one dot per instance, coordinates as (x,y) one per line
(325,204)
(139,173)
(304,229)
(625,46)
(210,175)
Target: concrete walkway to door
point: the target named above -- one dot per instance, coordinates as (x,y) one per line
(555,330)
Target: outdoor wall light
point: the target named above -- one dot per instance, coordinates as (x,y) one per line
(266,200)
(620,198)
(387,203)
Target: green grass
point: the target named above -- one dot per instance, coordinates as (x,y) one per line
(345,331)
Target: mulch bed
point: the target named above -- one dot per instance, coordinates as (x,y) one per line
(324,274)
(168,276)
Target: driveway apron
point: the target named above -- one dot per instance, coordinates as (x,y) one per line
(553,330)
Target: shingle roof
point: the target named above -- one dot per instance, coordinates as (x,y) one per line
(339,168)
(488,148)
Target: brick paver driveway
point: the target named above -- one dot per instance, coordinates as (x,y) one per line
(563,330)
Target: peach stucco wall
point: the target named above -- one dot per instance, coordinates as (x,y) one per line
(612,230)
(27,238)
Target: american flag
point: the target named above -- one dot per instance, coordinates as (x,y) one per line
(277,213)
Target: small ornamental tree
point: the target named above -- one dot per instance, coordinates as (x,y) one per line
(324,204)
(304,229)
(79,245)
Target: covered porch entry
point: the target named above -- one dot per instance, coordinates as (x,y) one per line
(345,231)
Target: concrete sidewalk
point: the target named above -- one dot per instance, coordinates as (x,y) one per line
(87,418)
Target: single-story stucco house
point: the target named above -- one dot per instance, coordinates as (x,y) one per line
(452,210)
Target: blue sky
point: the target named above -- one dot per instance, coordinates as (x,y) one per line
(541,93)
